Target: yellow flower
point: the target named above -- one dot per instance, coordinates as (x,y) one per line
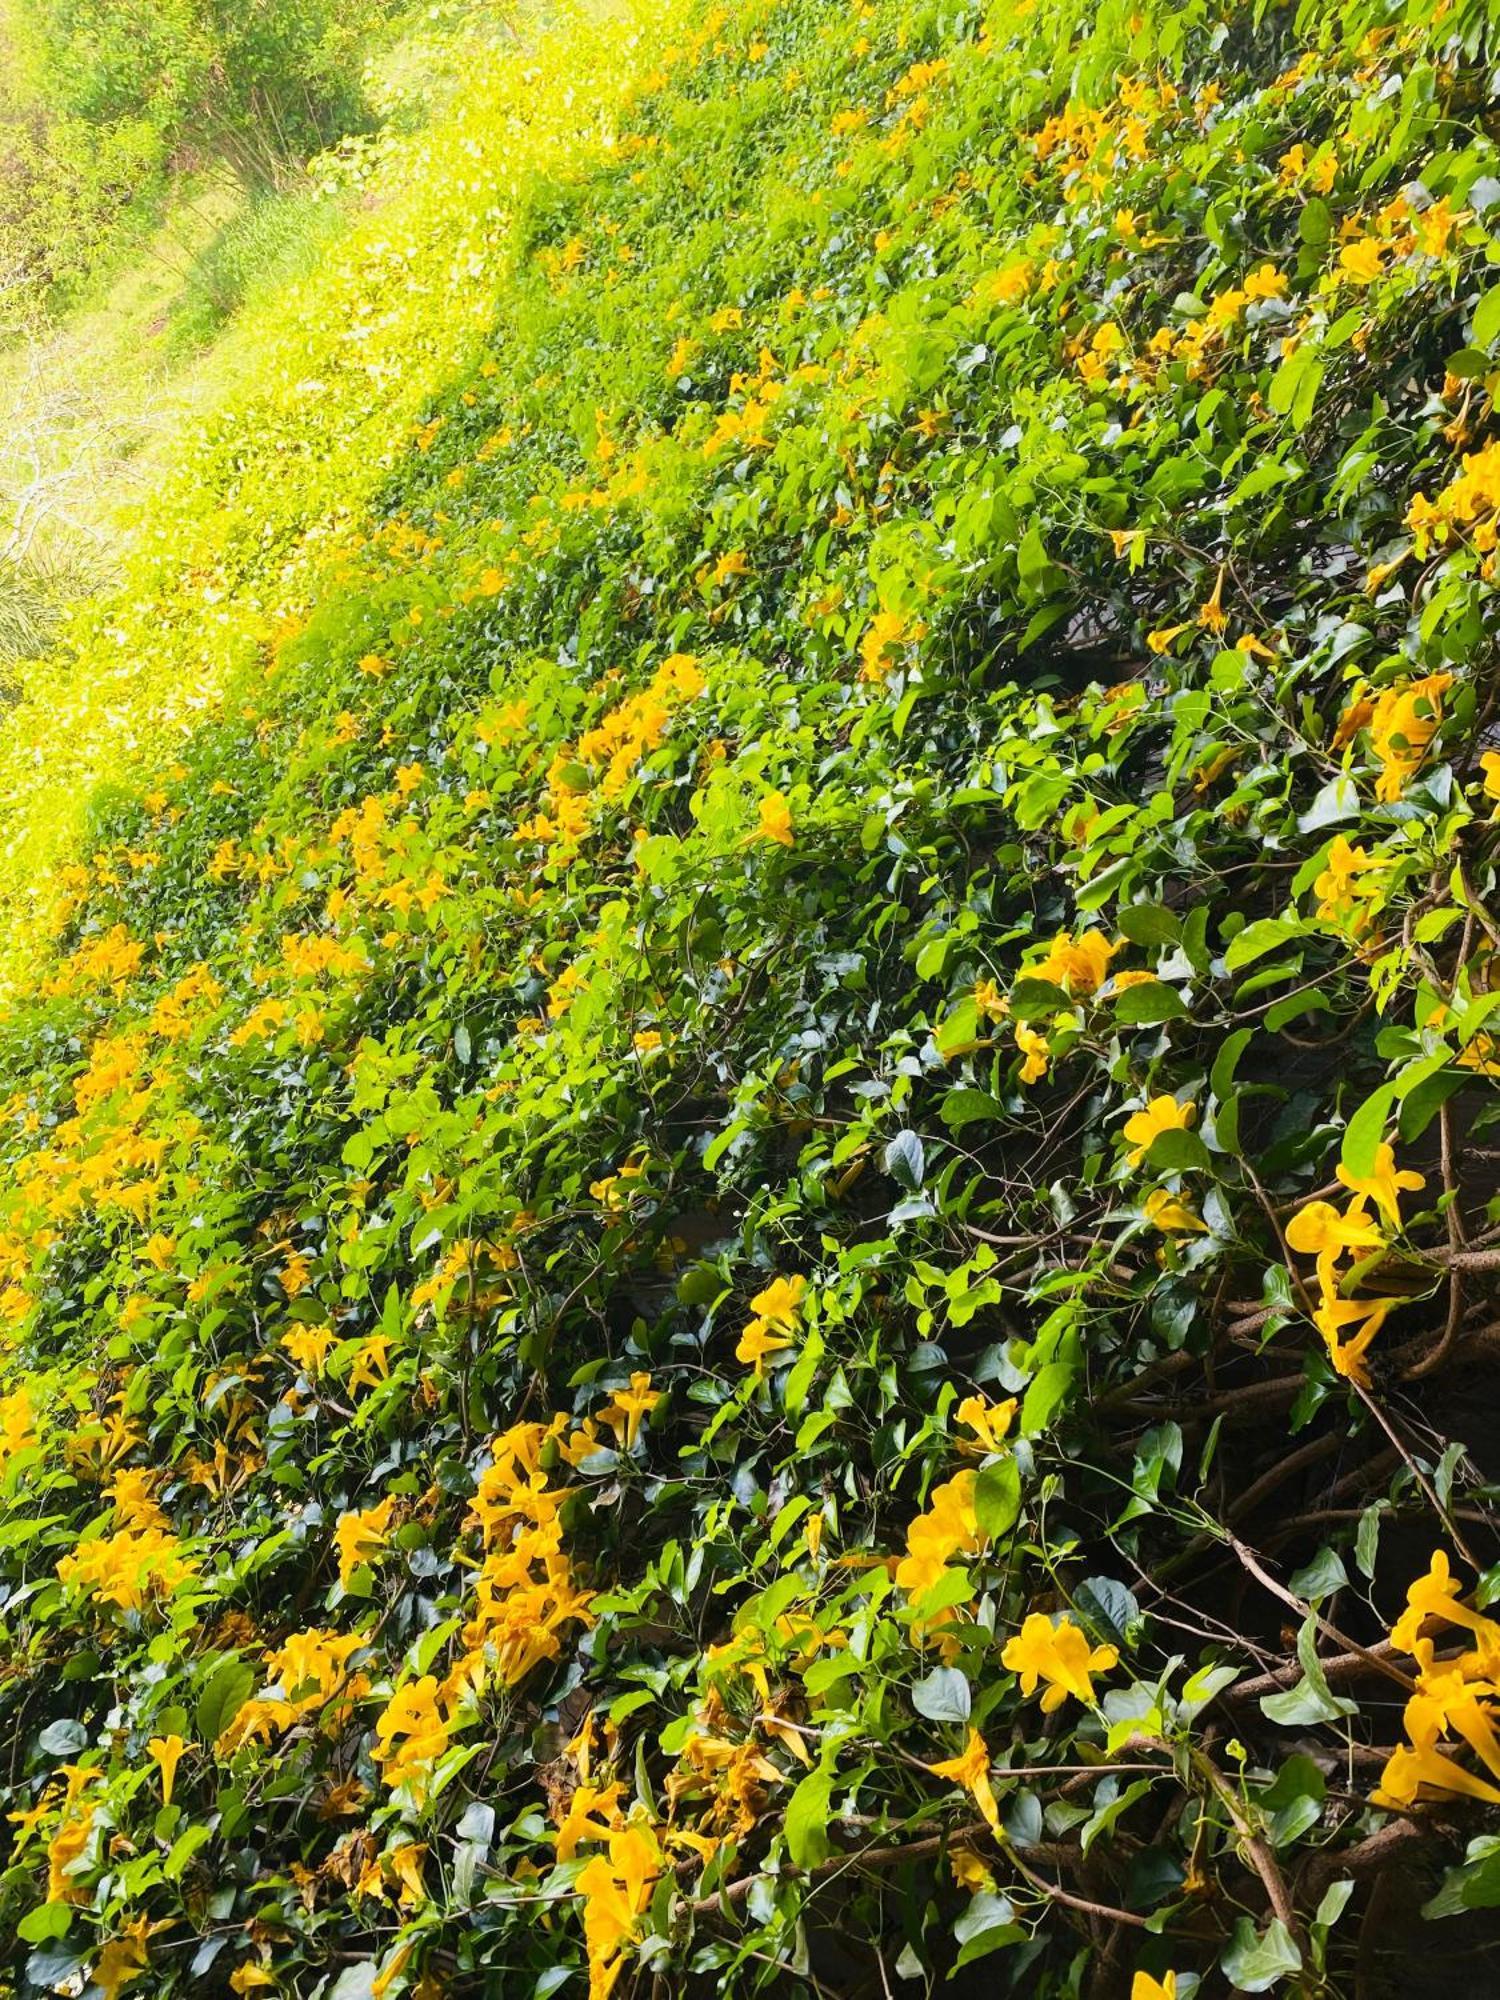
(1408,1769)
(371,1364)
(1058,1654)
(122,1959)
(1170,1214)
(885,634)
(17,1425)
(991,1004)
(1362,261)
(1435,1594)
(1335,1317)
(166,1752)
(972,1771)
(950,1527)
(250,1978)
(410,1735)
(128,1569)
(1162,1114)
(969,1872)
(308,1346)
(775,822)
(1341,889)
(1079,965)
(1383,1185)
(1037,1051)
(361,1537)
(1403,721)
(615,1892)
(627,1409)
(990,1422)
(405,1864)
(781,1301)
(758,1343)
(1144,1987)
(312,1667)
(1318,1230)
(1158,641)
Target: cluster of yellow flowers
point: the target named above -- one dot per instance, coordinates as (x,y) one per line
(1351,888)
(1093,147)
(604,758)
(778,1311)
(1349,1325)
(1402,720)
(310,1677)
(1469,506)
(888,634)
(129,1570)
(525,1593)
(1079,966)
(950,1527)
(1454,1696)
(411,1734)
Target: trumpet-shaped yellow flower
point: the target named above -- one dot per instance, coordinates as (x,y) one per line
(950,1527)
(615,1892)
(1170,1214)
(628,1409)
(774,820)
(1407,1770)
(1079,965)
(410,1735)
(990,1422)
(1318,1230)
(1383,1184)
(361,1537)
(1058,1654)
(1162,1114)
(1144,1987)
(972,1771)
(166,1753)
(1435,1594)
(1348,1327)
(1036,1050)
(758,1343)
(781,1301)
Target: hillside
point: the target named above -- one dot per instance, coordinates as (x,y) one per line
(748,1226)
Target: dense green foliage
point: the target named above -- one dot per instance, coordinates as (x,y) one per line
(265,85)
(747,1229)
(104,102)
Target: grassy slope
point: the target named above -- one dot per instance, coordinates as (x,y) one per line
(218,487)
(595,1058)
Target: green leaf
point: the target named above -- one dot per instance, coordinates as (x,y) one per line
(806,1823)
(1032,998)
(1254,1963)
(968,1107)
(1256,939)
(46,1921)
(943,1696)
(1148,924)
(1365,1130)
(1146,1005)
(1045,1397)
(1486,327)
(1474,1885)
(997,1495)
(1178,1152)
(229,1687)
(906,1161)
